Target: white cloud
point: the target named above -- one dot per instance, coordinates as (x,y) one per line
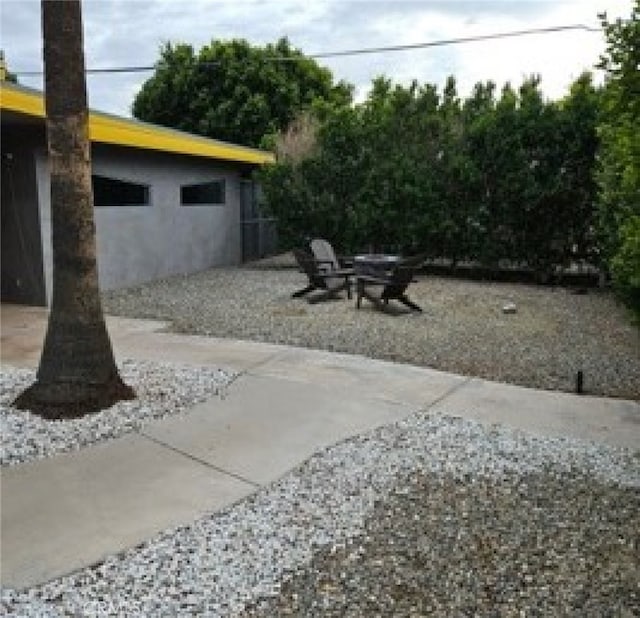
(558,57)
(129,32)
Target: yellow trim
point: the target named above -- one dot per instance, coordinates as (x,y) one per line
(108,129)
(21,101)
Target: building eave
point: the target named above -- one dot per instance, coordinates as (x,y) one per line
(116,130)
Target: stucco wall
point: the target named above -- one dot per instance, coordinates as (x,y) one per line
(142,243)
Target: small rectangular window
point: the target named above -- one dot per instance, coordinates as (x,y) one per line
(203,193)
(114,192)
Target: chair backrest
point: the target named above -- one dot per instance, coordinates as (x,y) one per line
(317,276)
(324,253)
(415,261)
(402,276)
(306,262)
(397,282)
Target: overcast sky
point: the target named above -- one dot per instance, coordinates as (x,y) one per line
(130,32)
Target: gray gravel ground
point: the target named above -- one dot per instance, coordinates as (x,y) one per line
(554,333)
(535,545)
(161,389)
(431,516)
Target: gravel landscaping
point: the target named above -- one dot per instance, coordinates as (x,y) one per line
(554,333)
(430,516)
(433,515)
(161,388)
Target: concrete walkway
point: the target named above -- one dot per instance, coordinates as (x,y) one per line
(72,510)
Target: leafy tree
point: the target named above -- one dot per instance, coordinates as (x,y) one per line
(619,158)
(234,91)
(483,179)
(479,121)
(577,145)
(625,264)
(497,155)
(5,74)
(558,145)
(77,372)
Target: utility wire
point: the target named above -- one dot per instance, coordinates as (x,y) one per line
(362,51)
(469,39)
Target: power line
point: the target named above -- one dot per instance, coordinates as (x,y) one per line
(362,51)
(469,39)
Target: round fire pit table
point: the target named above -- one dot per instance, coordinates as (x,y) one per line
(374,264)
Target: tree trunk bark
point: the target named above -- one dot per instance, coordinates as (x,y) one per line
(77,373)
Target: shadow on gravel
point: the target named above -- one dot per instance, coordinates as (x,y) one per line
(549,544)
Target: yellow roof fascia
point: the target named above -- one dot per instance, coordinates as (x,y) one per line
(119,131)
(24,101)
(108,129)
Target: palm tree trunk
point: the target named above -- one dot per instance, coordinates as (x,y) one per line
(77,372)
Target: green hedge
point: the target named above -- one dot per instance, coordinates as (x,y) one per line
(485,179)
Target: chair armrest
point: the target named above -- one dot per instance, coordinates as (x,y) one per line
(338,272)
(371,280)
(343,268)
(324,266)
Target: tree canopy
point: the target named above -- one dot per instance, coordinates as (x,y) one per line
(5,74)
(618,172)
(487,178)
(234,91)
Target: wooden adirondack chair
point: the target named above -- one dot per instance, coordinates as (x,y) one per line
(389,285)
(330,281)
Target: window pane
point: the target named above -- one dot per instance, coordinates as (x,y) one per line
(203,193)
(113,192)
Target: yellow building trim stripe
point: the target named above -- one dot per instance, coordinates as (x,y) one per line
(110,130)
(107,129)
(22,101)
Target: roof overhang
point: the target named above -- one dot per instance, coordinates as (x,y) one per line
(109,129)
